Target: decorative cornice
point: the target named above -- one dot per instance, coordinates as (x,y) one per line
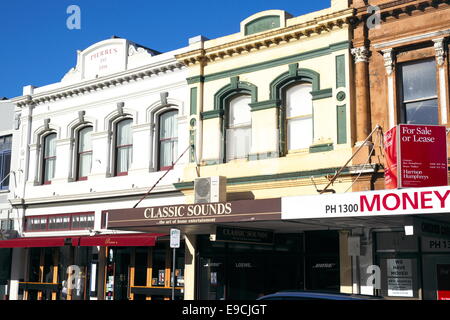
(99,84)
(397,7)
(361,54)
(316,26)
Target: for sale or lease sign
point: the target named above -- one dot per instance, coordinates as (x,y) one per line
(416,156)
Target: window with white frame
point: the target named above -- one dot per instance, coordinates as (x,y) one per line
(5,161)
(48,158)
(418,92)
(168,139)
(84,152)
(123,146)
(238,128)
(299,119)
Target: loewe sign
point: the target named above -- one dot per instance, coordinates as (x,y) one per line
(233,211)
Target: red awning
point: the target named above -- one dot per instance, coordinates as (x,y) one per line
(119,240)
(30,242)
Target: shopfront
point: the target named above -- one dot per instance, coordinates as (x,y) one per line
(407,238)
(235,257)
(105,267)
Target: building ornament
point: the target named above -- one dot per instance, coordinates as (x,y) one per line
(440,51)
(361,54)
(388,56)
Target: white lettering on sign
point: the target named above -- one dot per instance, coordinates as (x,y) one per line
(211,209)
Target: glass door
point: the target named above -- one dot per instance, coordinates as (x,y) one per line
(212,278)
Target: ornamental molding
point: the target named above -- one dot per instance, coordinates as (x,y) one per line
(440,51)
(361,54)
(389,57)
(100,84)
(275,37)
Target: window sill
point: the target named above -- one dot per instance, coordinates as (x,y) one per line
(4,191)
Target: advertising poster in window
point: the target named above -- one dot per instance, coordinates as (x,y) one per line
(399,278)
(416,156)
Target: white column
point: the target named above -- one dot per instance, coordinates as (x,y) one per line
(18,262)
(189,267)
(388,56)
(440,58)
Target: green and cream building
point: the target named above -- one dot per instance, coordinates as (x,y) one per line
(272,110)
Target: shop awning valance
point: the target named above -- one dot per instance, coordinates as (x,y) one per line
(122,240)
(31,242)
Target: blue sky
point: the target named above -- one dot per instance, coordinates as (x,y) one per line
(37,48)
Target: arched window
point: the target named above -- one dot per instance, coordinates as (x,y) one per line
(49,158)
(168,139)
(238,128)
(123,146)
(84,153)
(299,118)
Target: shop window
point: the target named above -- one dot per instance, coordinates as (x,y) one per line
(34,265)
(123,146)
(7,224)
(168,139)
(159,266)
(418,93)
(75,221)
(238,128)
(83,221)
(36,224)
(49,158)
(299,120)
(59,223)
(84,153)
(5,161)
(141,262)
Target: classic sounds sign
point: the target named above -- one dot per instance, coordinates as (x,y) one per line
(416,156)
(201,213)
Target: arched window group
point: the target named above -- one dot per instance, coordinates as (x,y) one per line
(121,151)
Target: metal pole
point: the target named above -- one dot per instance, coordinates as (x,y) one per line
(173,275)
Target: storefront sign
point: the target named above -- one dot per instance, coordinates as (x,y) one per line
(204,213)
(399,273)
(435,245)
(232,234)
(431,228)
(408,168)
(370,203)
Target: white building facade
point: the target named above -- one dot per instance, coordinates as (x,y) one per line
(98,139)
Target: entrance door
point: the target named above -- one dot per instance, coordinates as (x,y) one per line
(117,273)
(122,262)
(212,278)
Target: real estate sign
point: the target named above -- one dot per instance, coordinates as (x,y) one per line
(416,156)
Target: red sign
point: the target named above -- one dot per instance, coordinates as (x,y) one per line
(416,156)
(390,152)
(443,281)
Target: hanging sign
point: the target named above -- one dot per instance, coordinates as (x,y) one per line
(416,156)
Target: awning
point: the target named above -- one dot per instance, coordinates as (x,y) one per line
(30,242)
(121,240)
